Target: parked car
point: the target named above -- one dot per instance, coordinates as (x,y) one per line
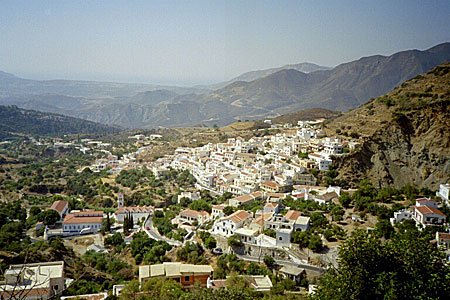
(217,251)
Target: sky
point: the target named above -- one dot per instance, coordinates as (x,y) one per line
(204,42)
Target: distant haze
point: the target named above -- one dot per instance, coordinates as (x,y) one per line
(205,42)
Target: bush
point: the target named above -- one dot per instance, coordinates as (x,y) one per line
(269,261)
(234,241)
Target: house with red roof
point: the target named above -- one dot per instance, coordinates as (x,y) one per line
(189,216)
(443,240)
(227,226)
(61,207)
(428,216)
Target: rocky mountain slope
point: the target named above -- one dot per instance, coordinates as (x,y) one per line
(406,134)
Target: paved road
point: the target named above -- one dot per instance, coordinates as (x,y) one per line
(154,234)
(283,263)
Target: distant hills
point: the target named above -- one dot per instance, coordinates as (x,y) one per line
(344,87)
(253,75)
(16,121)
(406,134)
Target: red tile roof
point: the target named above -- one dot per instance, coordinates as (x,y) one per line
(84,217)
(292,215)
(59,206)
(271,184)
(425,210)
(444,236)
(238,216)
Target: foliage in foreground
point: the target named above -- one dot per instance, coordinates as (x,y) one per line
(407,266)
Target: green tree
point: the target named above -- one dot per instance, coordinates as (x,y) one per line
(49,217)
(228,210)
(384,229)
(234,241)
(345,200)
(406,266)
(269,261)
(315,243)
(210,242)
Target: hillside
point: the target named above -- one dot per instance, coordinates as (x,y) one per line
(406,134)
(17,121)
(293,118)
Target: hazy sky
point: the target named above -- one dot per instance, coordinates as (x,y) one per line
(197,42)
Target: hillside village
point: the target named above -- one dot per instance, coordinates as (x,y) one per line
(258,200)
(137,164)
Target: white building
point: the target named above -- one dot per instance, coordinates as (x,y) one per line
(75,222)
(321,161)
(227,226)
(189,216)
(138,213)
(401,215)
(444,193)
(33,281)
(189,195)
(428,216)
(217,211)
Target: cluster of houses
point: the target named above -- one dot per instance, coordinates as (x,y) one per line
(243,167)
(426,213)
(269,163)
(47,280)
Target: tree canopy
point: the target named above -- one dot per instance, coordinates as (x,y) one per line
(407,266)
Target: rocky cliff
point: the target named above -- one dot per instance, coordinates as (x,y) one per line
(406,135)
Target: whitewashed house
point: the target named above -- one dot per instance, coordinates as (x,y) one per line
(444,193)
(227,226)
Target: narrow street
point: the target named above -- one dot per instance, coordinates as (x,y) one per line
(154,234)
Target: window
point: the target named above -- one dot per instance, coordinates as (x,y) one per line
(186,278)
(280,238)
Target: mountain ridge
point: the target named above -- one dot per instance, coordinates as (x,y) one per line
(344,87)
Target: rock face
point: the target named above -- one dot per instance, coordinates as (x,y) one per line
(412,145)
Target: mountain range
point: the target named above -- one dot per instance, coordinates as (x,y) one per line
(254,95)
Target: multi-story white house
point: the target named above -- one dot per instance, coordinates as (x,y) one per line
(300,222)
(189,195)
(284,226)
(227,226)
(444,193)
(322,161)
(217,211)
